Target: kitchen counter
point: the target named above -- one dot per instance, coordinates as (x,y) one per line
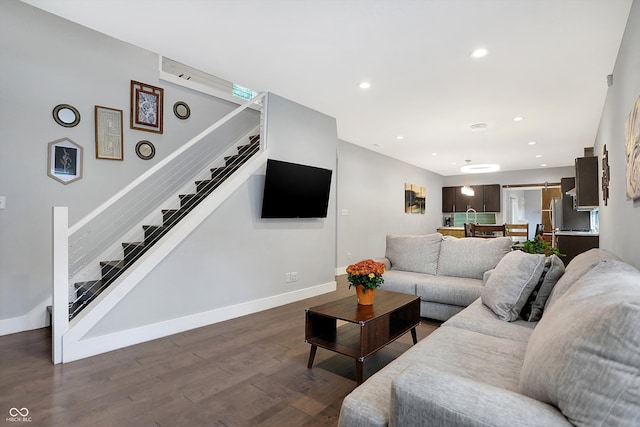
(451,231)
(576,233)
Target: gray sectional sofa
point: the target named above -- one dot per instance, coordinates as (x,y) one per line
(578,365)
(446,272)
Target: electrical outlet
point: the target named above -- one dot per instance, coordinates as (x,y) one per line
(3,202)
(294,276)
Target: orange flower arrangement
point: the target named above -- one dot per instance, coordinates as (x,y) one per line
(367,273)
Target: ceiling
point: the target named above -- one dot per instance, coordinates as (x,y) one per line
(548,62)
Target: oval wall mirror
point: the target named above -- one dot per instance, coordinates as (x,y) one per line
(181,110)
(66,115)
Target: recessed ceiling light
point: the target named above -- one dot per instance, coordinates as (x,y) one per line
(365,85)
(532,143)
(399,137)
(518,119)
(479,53)
(434,154)
(538,155)
(543,164)
(481,168)
(453,163)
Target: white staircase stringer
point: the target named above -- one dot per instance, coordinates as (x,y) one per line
(74,347)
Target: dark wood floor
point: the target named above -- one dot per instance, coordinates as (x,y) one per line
(249,371)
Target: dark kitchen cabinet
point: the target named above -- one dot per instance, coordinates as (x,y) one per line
(573,245)
(486,198)
(471,202)
(491,198)
(587,182)
(449,199)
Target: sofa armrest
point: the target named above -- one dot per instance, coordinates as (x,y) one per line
(421,395)
(386,261)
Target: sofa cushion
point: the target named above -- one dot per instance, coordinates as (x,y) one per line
(414,253)
(401,281)
(471,257)
(553,270)
(479,318)
(575,270)
(584,355)
(458,291)
(511,283)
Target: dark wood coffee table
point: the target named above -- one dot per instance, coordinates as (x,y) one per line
(367,328)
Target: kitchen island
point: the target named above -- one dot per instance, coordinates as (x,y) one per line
(573,243)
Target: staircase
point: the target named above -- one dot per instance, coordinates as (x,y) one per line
(87,291)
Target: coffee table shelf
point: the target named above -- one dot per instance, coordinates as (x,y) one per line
(365,329)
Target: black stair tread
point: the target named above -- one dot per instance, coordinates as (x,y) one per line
(88,284)
(221,178)
(194,196)
(251,146)
(113,264)
(125,244)
(147,227)
(166,211)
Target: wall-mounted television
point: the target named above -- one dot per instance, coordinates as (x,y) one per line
(293,190)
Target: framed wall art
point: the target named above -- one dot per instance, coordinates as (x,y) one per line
(632,139)
(64,161)
(415,199)
(146,107)
(108,133)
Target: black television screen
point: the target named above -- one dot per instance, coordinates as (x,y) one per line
(292,190)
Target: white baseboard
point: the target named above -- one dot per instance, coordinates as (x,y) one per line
(80,349)
(341,270)
(34,319)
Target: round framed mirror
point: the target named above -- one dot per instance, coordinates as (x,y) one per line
(66,115)
(181,110)
(145,150)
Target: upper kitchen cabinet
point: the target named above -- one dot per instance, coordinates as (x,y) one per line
(449,199)
(492,198)
(486,198)
(587,182)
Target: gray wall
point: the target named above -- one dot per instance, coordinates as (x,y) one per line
(620,220)
(371,189)
(235,256)
(46,60)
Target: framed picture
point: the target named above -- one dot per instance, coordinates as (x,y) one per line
(146,107)
(64,161)
(632,143)
(415,199)
(108,133)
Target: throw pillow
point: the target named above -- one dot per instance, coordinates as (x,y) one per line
(511,283)
(584,354)
(414,253)
(553,270)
